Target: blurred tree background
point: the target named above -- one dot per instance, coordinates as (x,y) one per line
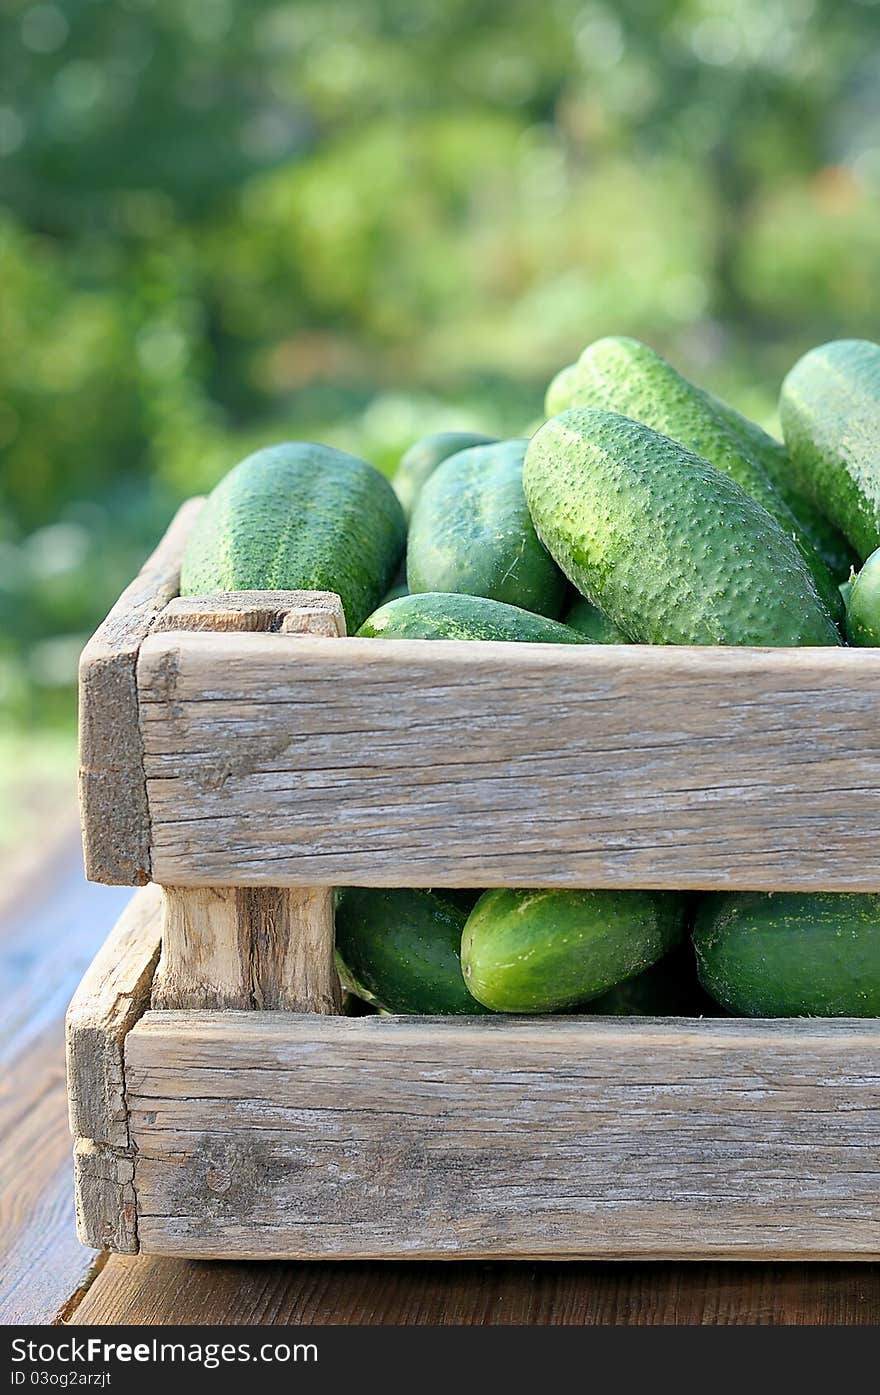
(360,220)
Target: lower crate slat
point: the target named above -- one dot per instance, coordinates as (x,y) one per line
(278,1135)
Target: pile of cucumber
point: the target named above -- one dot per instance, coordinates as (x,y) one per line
(643,510)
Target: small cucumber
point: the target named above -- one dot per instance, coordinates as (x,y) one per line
(785,954)
(295,517)
(863,605)
(401,948)
(830,414)
(540,951)
(435,615)
(471,532)
(595,626)
(422,459)
(672,550)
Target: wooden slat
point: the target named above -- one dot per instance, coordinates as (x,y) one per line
(113,801)
(270,1135)
(147,1291)
(274,761)
(278,612)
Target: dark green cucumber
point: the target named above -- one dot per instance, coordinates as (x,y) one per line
(435,615)
(295,517)
(863,605)
(622,375)
(786,954)
(672,550)
(670,988)
(590,622)
(541,951)
(401,948)
(830,414)
(422,459)
(471,532)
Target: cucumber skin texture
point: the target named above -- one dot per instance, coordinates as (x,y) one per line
(541,951)
(401,949)
(673,551)
(830,413)
(451,615)
(774,459)
(625,376)
(298,516)
(785,954)
(863,606)
(471,532)
(589,621)
(421,460)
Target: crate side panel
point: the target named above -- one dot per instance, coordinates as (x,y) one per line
(276,1135)
(314,761)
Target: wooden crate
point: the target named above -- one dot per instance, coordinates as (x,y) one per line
(242,757)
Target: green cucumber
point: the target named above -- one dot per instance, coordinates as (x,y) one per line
(622,375)
(786,954)
(590,622)
(471,532)
(672,550)
(401,948)
(541,951)
(560,394)
(435,615)
(670,988)
(863,605)
(422,459)
(296,517)
(830,414)
(774,459)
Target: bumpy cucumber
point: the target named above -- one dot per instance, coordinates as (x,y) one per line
(299,517)
(422,459)
(471,532)
(401,948)
(784,954)
(622,375)
(830,414)
(672,550)
(590,622)
(540,951)
(434,615)
(863,604)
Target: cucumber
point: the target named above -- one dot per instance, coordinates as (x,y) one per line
(773,457)
(863,606)
(830,414)
(590,622)
(672,550)
(786,954)
(295,517)
(471,532)
(670,988)
(622,375)
(434,615)
(401,949)
(422,459)
(561,392)
(540,951)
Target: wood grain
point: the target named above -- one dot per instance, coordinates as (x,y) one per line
(251,947)
(273,1135)
(271,761)
(270,612)
(147,1291)
(114,993)
(248,947)
(113,802)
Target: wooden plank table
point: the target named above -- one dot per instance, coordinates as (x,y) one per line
(48,934)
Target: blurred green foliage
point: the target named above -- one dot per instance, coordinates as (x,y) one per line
(361,220)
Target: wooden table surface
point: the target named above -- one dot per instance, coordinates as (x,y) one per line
(48,934)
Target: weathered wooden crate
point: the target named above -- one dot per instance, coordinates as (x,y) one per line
(243,757)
